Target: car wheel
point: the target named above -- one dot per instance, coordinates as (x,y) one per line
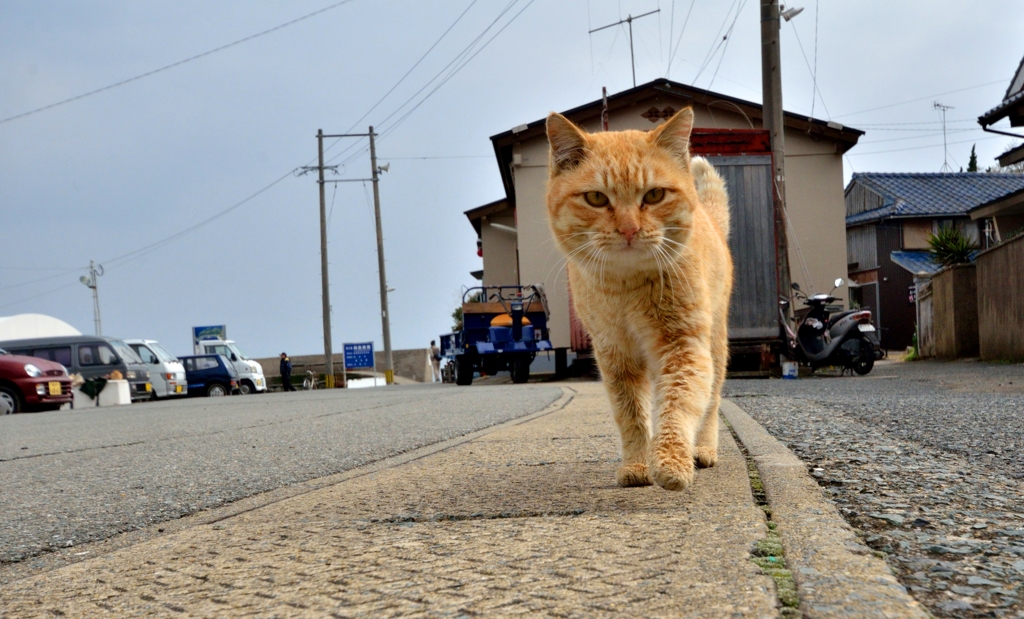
(245,388)
(216,390)
(10,401)
(463,370)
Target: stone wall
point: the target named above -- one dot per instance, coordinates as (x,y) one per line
(413,364)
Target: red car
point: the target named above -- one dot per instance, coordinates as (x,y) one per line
(32,384)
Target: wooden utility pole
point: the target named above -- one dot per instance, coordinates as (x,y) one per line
(389,366)
(324,280)
(773,122)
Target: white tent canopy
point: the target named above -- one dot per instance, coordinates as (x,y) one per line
(24,326)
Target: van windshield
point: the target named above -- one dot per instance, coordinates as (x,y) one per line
(125,352)
(235,349)
(162,352)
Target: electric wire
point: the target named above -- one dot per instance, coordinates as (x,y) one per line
(725,48)
(814,80)
(679,41)
(882,107)
(174,64)
(359,142)
(897,150)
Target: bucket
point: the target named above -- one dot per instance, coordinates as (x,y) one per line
(790,369)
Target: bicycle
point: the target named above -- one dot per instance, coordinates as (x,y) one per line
(310,382)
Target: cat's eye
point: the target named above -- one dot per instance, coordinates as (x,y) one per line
(654,196)
(596,198)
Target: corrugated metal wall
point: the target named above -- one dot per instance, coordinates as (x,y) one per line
(753,312)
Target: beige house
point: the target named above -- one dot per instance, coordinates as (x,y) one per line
(517,244)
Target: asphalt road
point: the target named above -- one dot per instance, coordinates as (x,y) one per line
(70,477)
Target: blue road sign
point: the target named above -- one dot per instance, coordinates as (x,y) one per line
(359,355)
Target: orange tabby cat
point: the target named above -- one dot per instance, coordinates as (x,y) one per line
(644,228)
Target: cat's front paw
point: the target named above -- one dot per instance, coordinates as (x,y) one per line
(673,473)
(632,475)
(706,457)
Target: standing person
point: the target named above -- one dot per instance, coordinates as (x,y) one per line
(435,361)
(286,373)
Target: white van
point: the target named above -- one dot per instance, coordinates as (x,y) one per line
(165,371)
(250,373)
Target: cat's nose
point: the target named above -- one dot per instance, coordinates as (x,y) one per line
(629,231)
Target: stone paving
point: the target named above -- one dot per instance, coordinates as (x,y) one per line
(923,460)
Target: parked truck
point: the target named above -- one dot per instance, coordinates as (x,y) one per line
(503,328)
(250,372)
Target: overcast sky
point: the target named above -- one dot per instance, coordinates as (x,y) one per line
(106,175)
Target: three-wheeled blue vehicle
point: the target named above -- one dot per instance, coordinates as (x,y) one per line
(503,328)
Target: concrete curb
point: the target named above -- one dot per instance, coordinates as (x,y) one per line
(836,575)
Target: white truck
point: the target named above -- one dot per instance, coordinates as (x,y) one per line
(250,373)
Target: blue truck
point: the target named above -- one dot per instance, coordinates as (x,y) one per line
(503,328)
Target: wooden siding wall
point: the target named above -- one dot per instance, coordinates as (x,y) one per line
(955,312)
(1001,301)
(897,316)
(859,199)
(753,312)
(861,247)
(926,328)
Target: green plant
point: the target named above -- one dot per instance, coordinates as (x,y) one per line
(950,246)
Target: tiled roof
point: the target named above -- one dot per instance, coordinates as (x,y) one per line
(998,112)
(917,261)
(932,194)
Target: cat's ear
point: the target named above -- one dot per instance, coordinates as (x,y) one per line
(674,135)
(568,143)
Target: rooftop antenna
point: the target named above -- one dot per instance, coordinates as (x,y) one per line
(628,20)
(945,153)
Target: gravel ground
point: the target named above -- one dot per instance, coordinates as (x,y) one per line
(78,476)
(924,460)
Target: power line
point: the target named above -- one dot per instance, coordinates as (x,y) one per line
(175,64)
(921,98)
(727,39)
(897,150)
(359,142)
(41,294)
(813,72)
(459,58)
(138,253)
(679,41)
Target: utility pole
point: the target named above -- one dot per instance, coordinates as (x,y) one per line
(773,122)
(324,280)
(628,20)
(389,366)
(91,282)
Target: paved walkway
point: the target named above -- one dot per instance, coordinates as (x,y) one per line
(521,519)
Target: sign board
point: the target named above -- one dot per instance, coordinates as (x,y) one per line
(215,332)
(359,355)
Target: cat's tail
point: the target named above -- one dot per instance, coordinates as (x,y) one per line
(711,191)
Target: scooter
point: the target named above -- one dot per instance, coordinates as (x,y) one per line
(846,339)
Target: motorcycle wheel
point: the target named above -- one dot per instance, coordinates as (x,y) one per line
(866,361)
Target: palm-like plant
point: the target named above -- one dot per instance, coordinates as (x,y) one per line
(950,246)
